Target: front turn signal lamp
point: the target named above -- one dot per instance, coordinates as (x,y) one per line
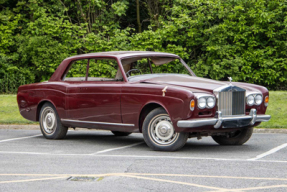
(192,104)
(266,101)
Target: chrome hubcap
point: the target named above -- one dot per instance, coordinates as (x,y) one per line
(49,122)
(162,131)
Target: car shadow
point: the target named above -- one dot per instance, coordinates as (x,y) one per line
(102,138)
(192,146)
(211,147)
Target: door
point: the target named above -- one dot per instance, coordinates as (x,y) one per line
(93,95)
(94,101)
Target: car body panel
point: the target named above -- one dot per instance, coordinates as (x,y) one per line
(89,101)
(118,105)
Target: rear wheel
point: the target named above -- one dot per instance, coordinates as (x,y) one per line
(50,123)
(235,138)
(119,133)
(159,133)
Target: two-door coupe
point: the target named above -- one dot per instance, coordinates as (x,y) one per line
(133,91)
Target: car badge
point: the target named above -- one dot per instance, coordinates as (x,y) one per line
(164,91)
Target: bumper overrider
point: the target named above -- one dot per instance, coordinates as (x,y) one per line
(225,122)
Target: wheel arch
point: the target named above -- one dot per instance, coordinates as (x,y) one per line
(146,110)
(40,105)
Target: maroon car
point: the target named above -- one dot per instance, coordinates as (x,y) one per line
(133,91)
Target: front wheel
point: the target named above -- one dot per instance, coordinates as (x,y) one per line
(159,133)
(235,138)
(50,123)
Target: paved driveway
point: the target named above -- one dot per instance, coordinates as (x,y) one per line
(99,161)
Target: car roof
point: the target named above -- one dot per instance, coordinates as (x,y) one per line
(112,54)
(123,54)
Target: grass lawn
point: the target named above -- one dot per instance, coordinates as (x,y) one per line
(9,113)
(277,108)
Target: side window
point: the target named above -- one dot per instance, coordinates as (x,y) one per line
(77,71)
(104,70)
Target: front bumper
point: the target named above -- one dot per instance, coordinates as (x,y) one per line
(225,122)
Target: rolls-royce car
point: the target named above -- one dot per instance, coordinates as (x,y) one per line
(153,93)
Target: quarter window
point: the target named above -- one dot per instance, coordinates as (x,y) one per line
(77,71)
(103,70)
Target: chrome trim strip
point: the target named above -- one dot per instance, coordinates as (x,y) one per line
(217,122)
(96,122)
(196,122)
(263,118)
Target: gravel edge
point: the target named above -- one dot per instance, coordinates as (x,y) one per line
(36,127)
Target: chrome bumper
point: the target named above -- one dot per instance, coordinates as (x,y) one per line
(225,122)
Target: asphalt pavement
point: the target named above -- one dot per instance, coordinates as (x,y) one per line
(99,161)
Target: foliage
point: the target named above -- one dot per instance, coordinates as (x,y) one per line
(245,39)
(10,83)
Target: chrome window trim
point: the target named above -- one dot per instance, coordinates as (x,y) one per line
(96,122)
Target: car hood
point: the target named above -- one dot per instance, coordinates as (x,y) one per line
(196,84)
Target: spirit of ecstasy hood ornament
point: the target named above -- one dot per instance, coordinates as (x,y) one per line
(230,79)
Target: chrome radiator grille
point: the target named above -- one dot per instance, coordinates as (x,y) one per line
(232,102)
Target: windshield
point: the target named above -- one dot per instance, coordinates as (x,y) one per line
(143,68)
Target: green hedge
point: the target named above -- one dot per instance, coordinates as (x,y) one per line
(245,39)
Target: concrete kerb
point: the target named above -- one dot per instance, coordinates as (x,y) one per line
(268,130)
(36,127)
(25,127)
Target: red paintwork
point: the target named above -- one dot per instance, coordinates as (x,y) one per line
(121,102)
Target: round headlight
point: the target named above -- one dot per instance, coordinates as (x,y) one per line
(210,102)
(250,100)
(258,99)
(201,103)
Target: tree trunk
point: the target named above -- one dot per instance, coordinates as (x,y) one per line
(138,17)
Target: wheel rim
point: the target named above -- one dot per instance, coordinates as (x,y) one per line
(49,121)
(161,130)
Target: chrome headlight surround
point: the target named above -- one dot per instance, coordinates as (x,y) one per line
(254,99)
(210,102)
(258,99)
(201,102)
(250,100)
(205,101)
